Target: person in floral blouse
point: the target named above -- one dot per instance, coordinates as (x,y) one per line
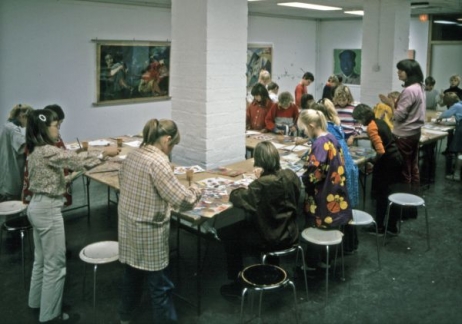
(327,205)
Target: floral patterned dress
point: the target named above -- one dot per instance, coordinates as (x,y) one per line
(327,204)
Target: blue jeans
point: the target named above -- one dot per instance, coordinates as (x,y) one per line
(160,289)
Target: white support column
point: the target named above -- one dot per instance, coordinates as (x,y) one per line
(386,25)
(208,57)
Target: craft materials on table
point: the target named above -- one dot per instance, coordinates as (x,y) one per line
(226,172)
(215,195)
(183,169)
(262,137)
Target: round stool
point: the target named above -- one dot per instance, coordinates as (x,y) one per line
(19,224)
(326,238)
(296,249)
(361,218)
(405,199)
(98,253)
(263,277)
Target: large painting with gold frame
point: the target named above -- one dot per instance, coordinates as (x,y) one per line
(132,71)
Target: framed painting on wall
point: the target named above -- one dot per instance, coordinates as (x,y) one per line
(259,57)
(347,63)
(131,71)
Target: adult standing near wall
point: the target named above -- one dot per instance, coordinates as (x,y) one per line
(301,87)
(409,117)
(12,157)
(148,191)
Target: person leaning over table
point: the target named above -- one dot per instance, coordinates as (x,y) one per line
(12,157)
(327,204)
(258,108)
(271,206)
(387,165)
(454,104)
(350,240)
(148,191)
(283,115)
(47,183)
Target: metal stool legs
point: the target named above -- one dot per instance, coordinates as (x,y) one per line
(95,268)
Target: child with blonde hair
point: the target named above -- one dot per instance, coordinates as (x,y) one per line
(384,109)
(343,101)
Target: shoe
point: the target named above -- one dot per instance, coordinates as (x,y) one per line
(65,318)
(449,177)
(456,177)
(233,289)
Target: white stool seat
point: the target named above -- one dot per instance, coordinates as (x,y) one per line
(322,237)
(405,199)
(361,218)
(100,252)
(11,207)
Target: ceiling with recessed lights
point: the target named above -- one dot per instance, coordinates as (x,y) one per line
(272,9)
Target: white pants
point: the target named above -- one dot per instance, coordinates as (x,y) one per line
(49,272)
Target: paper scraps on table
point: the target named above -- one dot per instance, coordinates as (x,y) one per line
(183,169)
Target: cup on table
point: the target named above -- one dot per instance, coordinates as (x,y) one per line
(429,119)
(280,138)
(189,175)
(119,142)
(85,145)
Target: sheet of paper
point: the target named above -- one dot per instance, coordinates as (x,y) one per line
(133,144)
(99,143)
(252,132)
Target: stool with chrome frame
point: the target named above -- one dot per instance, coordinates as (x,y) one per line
(326,238)
(403,200)
(264,277)
(297,249)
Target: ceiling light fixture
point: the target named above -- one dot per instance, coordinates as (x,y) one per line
(445,22)
(308,6)
(355,12)
(416,5)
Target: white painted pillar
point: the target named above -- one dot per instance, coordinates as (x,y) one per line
(386,25)
(207,83)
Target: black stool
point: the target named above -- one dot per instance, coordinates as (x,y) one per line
(19,224)
(264,277)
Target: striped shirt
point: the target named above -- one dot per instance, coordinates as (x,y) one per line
(349,125)
(148,191)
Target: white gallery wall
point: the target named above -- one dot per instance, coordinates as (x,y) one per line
(47,56)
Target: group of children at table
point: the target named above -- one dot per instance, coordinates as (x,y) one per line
(149,190)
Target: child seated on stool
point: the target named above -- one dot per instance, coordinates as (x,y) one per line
(271,206)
